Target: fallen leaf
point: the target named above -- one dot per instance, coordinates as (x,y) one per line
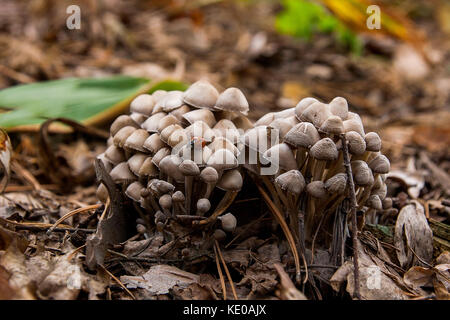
(412,233)
(160,279)
(5,158)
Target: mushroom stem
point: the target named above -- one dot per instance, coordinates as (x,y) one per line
(209,189)
(301,156)
(223,205)
(318,169)
(188,180)
(338,166)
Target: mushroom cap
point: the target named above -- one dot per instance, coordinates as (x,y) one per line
(282,126)
(356,143)
(189,168)
(284,114)
(380,191)
(223,143)
(232,99)
(170,166)
(159,94)
(303,135)
(203,206)
(160,186)
(336,184)
(152,123)
(257,139)
(179,112)
(361,173)
(302,105)
(354,123)
(201,94)
(204,115)
(148,169)
(282,155)
(135,162)
(167,131)
(317,189)
(154,143)
(316,113)
(134,190)
(219,235)
(200,129)
(136,140)
(228,222)
(142,104)
(178,138)
(108,164)
(209,175)
(122,174)
(373,142)
(380,164)
(227,129)
(292,181)
(374,202)
(324,149)
(332,125)
(162,153)
(102,193)
(231,181)
(122,135)
(166,121)
(178,196)
(222,159)
(165,201)
(171,101)
(121,122)
(139,118)
(339,107)
(265,120)
(387,203)
(114,154)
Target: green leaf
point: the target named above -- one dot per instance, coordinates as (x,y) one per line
(83,100)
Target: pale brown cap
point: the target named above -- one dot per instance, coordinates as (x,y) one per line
(292,181)
(154,143)
(134,190)
(209,175)
(282,155)
(373,142)
(324,149)
(356,143)
(122,173)
(302,105)
(380,164)
(114,154)
(142,104)
(317,189)
(336,184)
(232,99)
(135,162)
(122,135)
(201,94)
(204,115)
(228,222)
(121,122)
(332,125)
(339,107)
(316,113)
(189,168)
(361,173)
(152,123)
(231,181)
(136,140)
(303,135)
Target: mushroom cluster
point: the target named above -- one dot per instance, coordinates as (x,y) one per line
(304,143)
(180,156)
(176,154)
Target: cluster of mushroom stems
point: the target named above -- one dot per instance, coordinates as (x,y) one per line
(182,156)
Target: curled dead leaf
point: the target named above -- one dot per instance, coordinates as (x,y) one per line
(413,236)
(5,158)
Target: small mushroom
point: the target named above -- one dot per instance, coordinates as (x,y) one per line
(222,159)
(333,125)
(135,162)
(122,174)
(302,105)
(114,154)
(122,135)
(281,155)
(322,151)
(161,154)
(165,201)
(169,165)
(302,136)
(339,107)
(134,190)
(178,203)
(380,164)
(204,115)
(373,142)
(361,173)
(142,104)
(201,94)
(203,206)
(316,113)
(189,169)
(136,140)
(209,176)
(232,99)
(166,121)
(121,122)
(154,143)
(152,123)
(228,222)
(102,193)
(148,169)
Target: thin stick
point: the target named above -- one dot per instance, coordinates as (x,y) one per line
(72,213)
(222,280)
(230,280)
(118,282)
(351,186)
(74,252)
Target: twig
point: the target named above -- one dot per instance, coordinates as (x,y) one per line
(353,204)
(37,226)
(71,214)
(118,282)
(222,280)
(230,280)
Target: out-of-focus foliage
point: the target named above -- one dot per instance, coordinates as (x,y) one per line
(303,18)
(88,101)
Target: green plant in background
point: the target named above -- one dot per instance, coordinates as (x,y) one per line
(302,19)
(88,101)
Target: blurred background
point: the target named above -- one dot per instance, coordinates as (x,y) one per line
(397,77)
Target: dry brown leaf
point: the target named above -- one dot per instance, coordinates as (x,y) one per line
(160,279)
(5,157)
(413,234)
(417,277)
